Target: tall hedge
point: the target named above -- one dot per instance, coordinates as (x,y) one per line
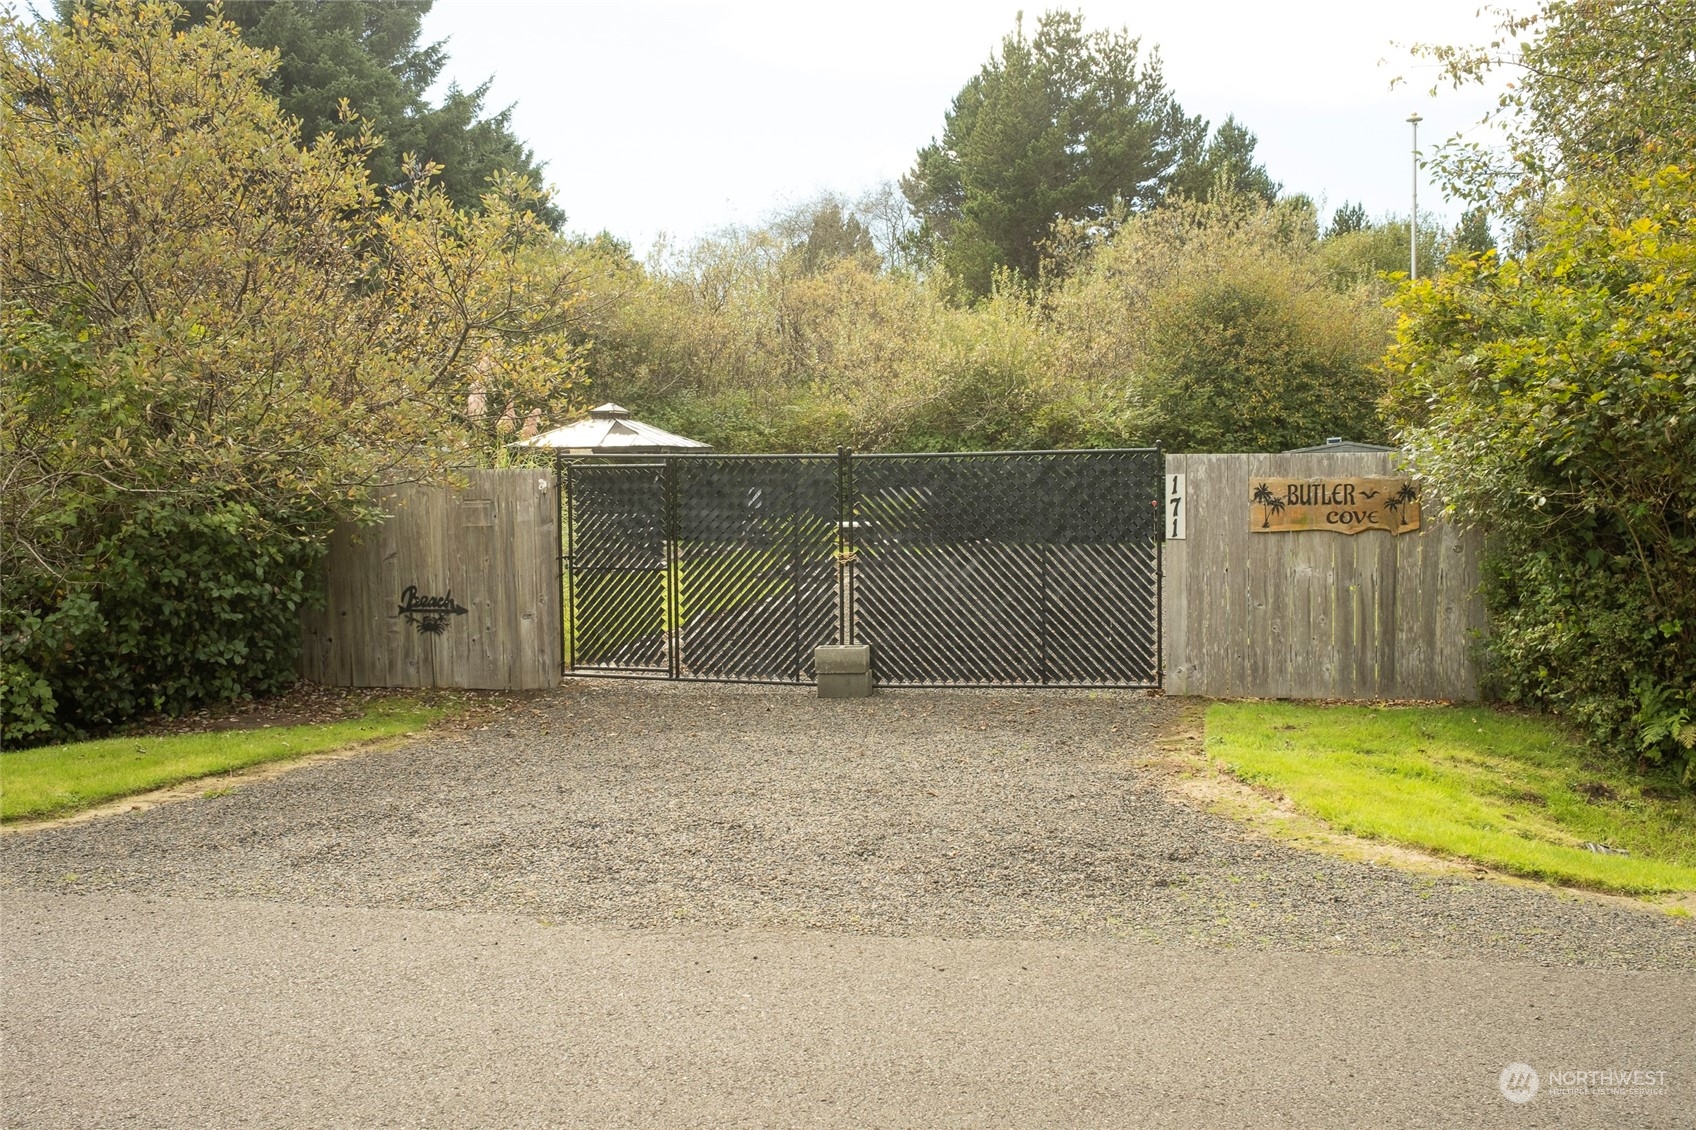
(174,607)
(1553,400)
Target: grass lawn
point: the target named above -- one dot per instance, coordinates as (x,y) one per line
(58,779)
(1511,792)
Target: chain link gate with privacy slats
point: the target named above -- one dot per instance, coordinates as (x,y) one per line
(982,569)
(1008,568)
(700,567)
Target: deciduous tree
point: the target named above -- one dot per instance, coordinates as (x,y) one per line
(1550,398)
(207,324)
(1592,87)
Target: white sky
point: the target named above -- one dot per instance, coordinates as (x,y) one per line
(682,117)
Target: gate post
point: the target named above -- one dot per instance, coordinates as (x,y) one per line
(1158,503)
(845,509)
(562,496)
(673,565)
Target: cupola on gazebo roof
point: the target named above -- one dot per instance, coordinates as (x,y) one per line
(610,430)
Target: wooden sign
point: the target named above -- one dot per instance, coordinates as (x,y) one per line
(1343,506)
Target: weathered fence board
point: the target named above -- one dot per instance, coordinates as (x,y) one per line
(459,588)
(1314,614)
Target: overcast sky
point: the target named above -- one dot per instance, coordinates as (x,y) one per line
(684,117)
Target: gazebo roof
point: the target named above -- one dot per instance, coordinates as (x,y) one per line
(1338,443)
(609,430)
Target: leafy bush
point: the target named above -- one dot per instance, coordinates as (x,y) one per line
(174,608)
(1553,399)
(1260,357)
(215,344)
(1219,329)
(1362,257)
(1199,325)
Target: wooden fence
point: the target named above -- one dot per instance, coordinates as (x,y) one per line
(459,588)
(1312,613)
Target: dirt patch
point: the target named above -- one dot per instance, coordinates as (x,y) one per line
(309,704)
(1597,791)
(302,704)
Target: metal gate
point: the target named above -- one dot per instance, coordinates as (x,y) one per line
(983,569)
(618,567)
(1008,568)
(700,567)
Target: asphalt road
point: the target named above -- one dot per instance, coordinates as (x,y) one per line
(121,1010)
(638,905)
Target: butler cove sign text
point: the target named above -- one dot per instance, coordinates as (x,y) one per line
(1343,506)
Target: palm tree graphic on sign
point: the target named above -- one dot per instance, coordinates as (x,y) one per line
(1396,502)
(1270,503)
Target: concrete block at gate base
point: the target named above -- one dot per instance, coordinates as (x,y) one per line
(844,670)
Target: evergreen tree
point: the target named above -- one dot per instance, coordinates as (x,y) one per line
(1227,165)
(1348,218)
(1472,235)
(1064,124)
(367,51)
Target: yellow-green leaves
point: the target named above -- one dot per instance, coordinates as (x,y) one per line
(203,317)
(1550,399)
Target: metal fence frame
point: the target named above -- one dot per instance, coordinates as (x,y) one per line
(846,545)
(676,626)
(856,494)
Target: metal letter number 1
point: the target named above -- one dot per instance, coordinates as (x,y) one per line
(1175,508)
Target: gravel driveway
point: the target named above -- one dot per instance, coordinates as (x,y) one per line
(952,814)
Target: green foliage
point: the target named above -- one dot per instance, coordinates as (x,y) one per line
(1197,324)
(828,232)
(1472,236)
(1218,328)
(1064,125)
(1347,218)
(368,53)
(215,343)
(181,607)
(1365,255)
(1550,398)
(1262,357)
(1226,167)
(1597,87)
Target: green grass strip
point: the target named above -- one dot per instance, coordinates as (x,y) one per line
(1511,792)
(58,779)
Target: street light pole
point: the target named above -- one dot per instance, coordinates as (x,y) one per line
(1413,221)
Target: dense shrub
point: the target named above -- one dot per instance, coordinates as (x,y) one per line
(1553,399)
(174,608)
(1198,325)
